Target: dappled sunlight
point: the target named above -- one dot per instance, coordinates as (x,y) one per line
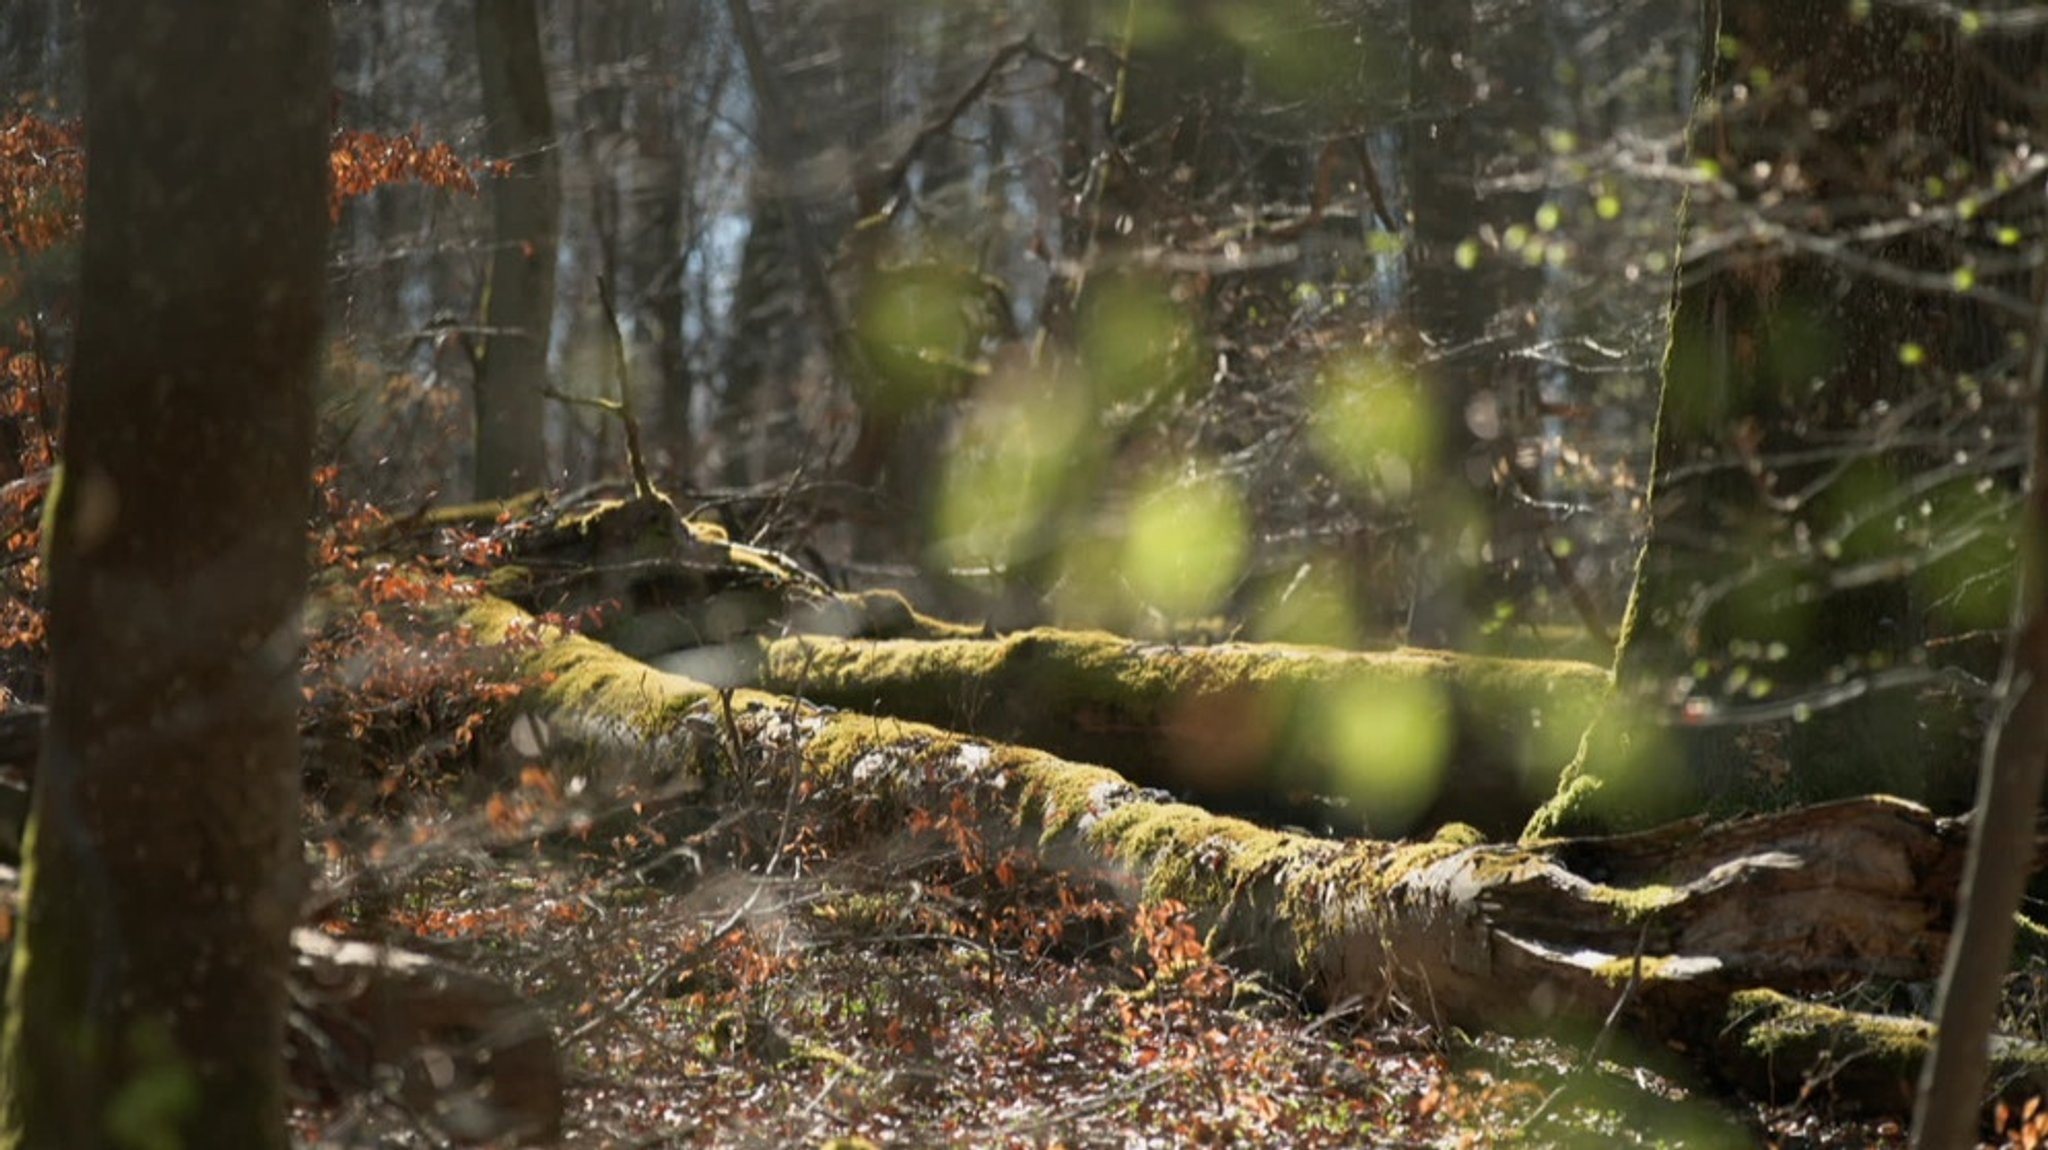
(1185,545)
(1389,743)
(1013,467)
(1372,424)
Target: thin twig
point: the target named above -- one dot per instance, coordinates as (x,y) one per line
(635,458)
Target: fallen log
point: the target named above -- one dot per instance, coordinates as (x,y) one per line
(1663,930)
(1286,733)
(1378,742)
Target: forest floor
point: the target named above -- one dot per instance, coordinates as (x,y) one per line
(722,977)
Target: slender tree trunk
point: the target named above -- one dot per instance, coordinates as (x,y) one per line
(148,998)
(763,360)
(1973,977)
(653,198)
(1952,1083)
(519,301)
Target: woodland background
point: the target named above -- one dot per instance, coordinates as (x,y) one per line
(1259,398)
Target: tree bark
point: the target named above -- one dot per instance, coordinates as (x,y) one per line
(1450,311)
(519,298)
(163,875)
(1254,729)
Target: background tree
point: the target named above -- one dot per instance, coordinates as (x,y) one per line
(148,996)
(519,296)
(1449,311)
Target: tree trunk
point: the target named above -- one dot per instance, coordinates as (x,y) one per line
(1389,743)
(519,299)
(1813,357)
(652,195)
(163,877)
(1450,311)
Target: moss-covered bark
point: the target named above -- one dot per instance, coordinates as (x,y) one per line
(1399,739)
(656,582)
(1870,1061)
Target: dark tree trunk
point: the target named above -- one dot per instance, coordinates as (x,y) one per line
(783,267)
(1450,312)
(652,193)
(519,301)
(148,999)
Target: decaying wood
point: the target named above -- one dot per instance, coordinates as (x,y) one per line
(460,1051)
(1674,924)
(658,582)
(1238,727)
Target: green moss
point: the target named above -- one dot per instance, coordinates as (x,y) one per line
(1404,859)
(1188,854)
(1633,904)
(1574,806)
(486,511)
(1459,835)
(2030,940)
(1773,1023)
(1626,968)
(579,675)
(591,515)
(1235,724)
(704,531)
(842,740)
(1057,794)
(509,582)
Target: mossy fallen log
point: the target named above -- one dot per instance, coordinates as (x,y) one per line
(1374,742)
(658,582)
(1663,930)
(1871,1060)
(1399,740)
